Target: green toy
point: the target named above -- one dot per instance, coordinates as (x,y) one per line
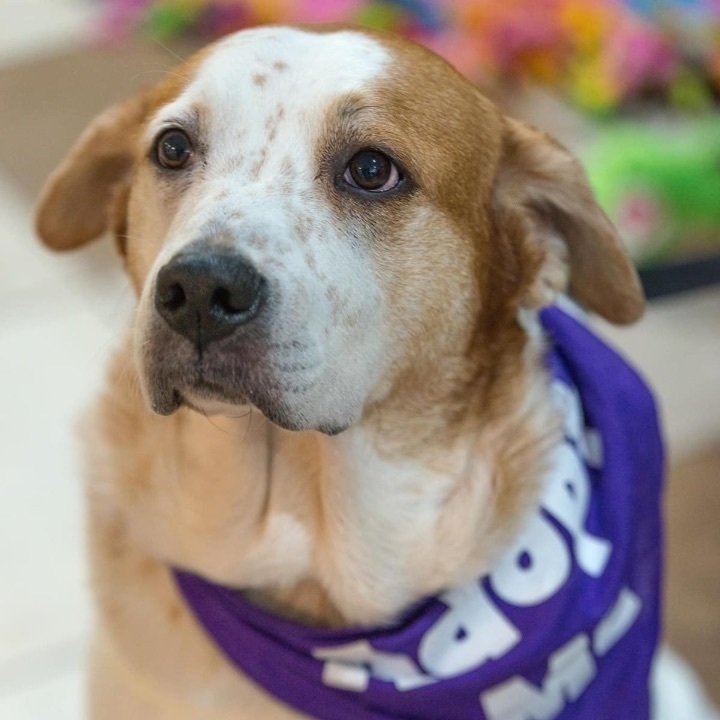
(660,185)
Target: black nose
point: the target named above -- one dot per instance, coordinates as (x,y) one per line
(206,295)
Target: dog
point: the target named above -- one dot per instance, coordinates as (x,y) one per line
(358,456)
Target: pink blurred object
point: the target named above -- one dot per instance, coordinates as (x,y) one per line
(121,17)
(323,10)
(641,57)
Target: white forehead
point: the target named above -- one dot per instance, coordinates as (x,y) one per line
(264,66)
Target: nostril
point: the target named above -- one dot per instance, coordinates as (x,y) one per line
(172,297)
(234,301)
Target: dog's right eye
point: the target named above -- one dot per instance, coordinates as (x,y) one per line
(173,150)
(372,171)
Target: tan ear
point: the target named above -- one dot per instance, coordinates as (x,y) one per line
(76,201)
(543,195)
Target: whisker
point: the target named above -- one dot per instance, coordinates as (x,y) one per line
(163,46)
(217,427)
(247,429)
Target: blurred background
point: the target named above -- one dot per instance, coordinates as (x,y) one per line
(632,87)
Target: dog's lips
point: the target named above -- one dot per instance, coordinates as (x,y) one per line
(278,378)
(169,389)
(212,397)
(208,399)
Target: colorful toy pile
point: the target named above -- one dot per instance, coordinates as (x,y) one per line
(600,53)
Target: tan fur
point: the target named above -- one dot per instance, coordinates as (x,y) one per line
(449,454)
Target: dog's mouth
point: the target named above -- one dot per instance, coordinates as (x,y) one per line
(229,383)
(210,398)
(198,388)
(285,378)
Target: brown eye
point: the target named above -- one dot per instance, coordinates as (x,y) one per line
(173,149)
(372,171)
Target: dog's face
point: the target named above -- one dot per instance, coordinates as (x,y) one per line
(314,219)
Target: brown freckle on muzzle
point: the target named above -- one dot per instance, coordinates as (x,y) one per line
(260,79)
(257,241)
(275,263)
(280,66)
(332,294)
(301,231)
(354,318)
(271,126)
(258,165)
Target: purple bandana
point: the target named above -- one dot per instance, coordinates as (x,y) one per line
(563,628)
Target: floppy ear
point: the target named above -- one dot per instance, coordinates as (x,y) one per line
(76,202)
(543,199)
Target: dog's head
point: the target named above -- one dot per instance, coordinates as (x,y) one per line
(311,217)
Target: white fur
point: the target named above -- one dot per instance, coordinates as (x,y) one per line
(677,692)
(390,513)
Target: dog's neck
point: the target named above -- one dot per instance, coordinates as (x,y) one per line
(330,530)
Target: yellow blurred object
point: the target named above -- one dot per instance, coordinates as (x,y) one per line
(591,84)
(268,11)
(585,23)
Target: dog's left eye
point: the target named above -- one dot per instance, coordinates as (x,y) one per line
(373,171)
(173,149)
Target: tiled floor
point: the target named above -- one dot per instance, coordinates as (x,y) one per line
(61,315)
